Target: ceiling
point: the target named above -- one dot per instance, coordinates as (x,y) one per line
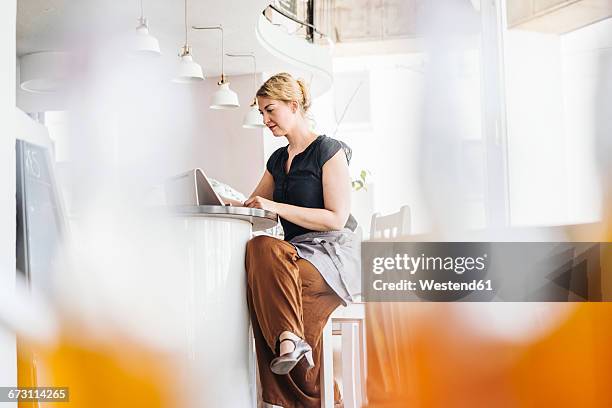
(62,24)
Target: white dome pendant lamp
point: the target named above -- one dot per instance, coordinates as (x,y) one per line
(44,72)
(253,118)
(224,97)
(145,43)
(188,70)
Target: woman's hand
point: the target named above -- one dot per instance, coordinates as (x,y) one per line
(262,203)
(232,202)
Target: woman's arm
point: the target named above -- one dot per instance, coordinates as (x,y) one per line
(336,196)
(265,189)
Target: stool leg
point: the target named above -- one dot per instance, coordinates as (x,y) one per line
(350,365)
(362,367)
(327,367)
(255,386)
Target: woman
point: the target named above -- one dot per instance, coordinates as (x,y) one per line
(294,285)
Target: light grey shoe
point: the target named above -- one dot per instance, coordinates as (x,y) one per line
(282,365)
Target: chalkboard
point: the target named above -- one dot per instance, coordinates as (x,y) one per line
(40,218)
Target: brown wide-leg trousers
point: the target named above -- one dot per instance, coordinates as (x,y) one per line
(287,293)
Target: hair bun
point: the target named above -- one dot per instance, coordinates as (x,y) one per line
(283,87)
(306,101)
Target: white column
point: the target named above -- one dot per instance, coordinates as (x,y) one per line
(8,13)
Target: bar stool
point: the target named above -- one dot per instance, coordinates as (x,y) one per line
(349,322)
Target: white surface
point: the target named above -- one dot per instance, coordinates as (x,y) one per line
(388,145)
(156,129)
(224,149)
(8,367)
(536,129)
(353,354)
(39,102)
(350,360)
(145,43)
(558,88)
(587,87)
(217,315)
(253,119)
(310,61)
(352,321)
(44,72)
(30,131)
(327,368)
(392,225)
(24,311)
(224,98)
(174,284)
(188,71)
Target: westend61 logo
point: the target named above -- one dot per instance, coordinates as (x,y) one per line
(401,271)
(414,264)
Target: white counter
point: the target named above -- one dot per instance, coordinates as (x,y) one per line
(219,342)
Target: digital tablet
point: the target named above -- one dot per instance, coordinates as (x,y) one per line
(191,188)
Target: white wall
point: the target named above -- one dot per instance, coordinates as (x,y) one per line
(536,129)
(587,54)
(390,141)
(391,150)
(148,129)
(222,147)
(8,363)
(386,143)
(557,91)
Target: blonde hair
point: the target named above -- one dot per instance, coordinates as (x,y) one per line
(283,87)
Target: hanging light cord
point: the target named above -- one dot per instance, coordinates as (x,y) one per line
(250,55)
(142,21)
(222,55)
(219,27)
(185,23)
(254,75)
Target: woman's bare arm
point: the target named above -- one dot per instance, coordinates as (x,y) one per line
(265,189)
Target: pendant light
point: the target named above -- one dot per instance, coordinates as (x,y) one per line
(224,97)
(188,70)
(145,43)
(253,118)
(44,72)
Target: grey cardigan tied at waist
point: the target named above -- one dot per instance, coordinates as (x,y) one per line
(337,256)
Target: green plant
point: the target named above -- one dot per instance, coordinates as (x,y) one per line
(360,183)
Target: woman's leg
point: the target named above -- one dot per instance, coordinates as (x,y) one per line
(273,279)
(318,302)
(286,293)
(274,296)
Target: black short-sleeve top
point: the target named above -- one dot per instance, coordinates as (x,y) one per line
(302,186)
